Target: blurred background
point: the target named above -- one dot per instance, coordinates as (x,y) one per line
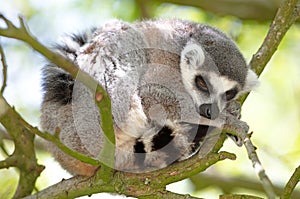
(272,110)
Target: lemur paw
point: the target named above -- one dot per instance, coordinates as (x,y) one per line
(232,114)
(234,108)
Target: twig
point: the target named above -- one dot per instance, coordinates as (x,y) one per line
(290,186)
(4,68)
(4,135)
(9,162)
(266,182)
(251,150)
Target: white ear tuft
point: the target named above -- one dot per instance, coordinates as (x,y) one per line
(251,81)
(192,55)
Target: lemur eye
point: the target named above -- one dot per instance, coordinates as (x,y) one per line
(200,83)
(230,94)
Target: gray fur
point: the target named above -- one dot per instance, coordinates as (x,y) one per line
(148,68)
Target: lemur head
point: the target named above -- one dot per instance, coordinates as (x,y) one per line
(213,78)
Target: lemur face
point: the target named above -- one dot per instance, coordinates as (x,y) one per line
(209,90)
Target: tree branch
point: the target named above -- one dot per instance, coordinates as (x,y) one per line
(266,182)
(142,185)
(9,162)
(23,156)
(290,186)
(4,135)
(4,69)
(285,17)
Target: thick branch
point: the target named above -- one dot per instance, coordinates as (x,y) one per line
(181,170)
(145,185)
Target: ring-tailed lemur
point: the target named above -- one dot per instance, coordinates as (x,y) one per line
(168,81)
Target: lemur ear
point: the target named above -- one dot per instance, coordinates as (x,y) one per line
(192,55)
(251,81)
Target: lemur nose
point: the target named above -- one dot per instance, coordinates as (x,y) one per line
(210,111)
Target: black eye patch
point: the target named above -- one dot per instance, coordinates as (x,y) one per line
(230,94)
(200,83)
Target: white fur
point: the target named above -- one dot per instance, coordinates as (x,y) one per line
(221,83)
(70,42)
(136,121)
(251,81)
(194,53)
